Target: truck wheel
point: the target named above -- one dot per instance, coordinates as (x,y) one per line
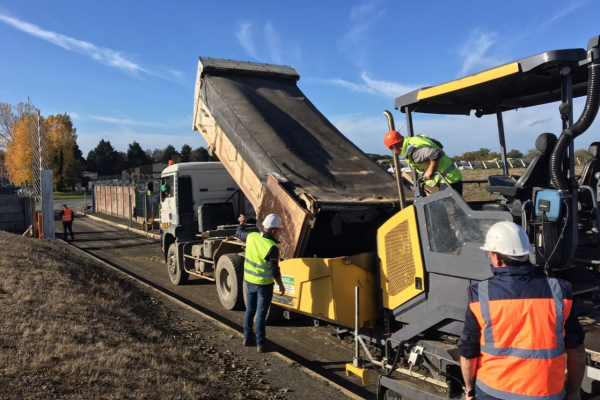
(176,273)
(274,313)
(230,281)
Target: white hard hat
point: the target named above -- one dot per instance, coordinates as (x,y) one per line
(272,221)
(509,239)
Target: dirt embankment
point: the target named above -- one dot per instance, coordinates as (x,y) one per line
(70,329)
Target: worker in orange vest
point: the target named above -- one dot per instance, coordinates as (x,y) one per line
(518,327)
(67,219)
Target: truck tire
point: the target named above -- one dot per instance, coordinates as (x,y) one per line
(229,276)
(176,273)
(274,313)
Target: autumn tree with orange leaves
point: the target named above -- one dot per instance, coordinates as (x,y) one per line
(17,160)
(61,139)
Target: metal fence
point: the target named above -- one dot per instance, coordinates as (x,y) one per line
(147,207)
(494,164)
(114,200)
(8,191)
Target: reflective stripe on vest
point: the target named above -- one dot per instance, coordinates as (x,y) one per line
(517,373)
(256,267)
(446,166)
(67,215)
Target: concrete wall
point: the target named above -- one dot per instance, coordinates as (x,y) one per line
(12,213)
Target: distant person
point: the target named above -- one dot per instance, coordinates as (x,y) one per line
(426,156)
(67,219)
(261,269)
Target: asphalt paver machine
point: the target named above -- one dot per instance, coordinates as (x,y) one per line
(429,252)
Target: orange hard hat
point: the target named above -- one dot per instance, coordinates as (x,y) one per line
(391,138)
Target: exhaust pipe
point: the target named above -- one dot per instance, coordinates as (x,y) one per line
(588,115)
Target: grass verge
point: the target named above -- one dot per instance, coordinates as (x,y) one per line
(71,329)
(71,195)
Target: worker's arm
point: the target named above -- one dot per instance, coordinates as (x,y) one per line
(469,347)
(575,371)
(469,370)
(241,233)
(426,154)
(428,174)
(273,260)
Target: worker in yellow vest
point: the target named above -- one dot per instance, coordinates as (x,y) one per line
(426,156)
(261,270)
(67,216)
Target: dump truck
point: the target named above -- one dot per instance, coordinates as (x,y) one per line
(387,264)
(284,157)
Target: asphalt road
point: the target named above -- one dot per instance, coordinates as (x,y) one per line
(314,347)
(73,204)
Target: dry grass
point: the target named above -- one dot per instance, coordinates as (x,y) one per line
(477,192)
(74,330)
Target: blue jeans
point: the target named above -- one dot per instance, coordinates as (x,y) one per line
(258,300)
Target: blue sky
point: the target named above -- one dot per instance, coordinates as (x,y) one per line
(126,71)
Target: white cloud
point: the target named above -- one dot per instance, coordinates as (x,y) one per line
(105,56)
(362,17)
(388,89)
(266,46)
(177,74)
(474,52)
(245,36)
(372,86)
(365,132)
(172,123)
(273,42)
(564,11)
(127,121)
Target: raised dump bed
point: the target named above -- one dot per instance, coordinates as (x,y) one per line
(289,159)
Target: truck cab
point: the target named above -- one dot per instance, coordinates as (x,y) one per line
(192,186)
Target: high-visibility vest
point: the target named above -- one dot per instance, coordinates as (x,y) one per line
(67,215)
(522,343)
(446,166)
(256,269)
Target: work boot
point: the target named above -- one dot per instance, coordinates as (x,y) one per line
(266,348)
(249,343)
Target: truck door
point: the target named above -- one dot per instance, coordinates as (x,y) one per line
(185,204)
(168,205)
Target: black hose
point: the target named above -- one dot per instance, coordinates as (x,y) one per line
(585,121)
(393,367)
